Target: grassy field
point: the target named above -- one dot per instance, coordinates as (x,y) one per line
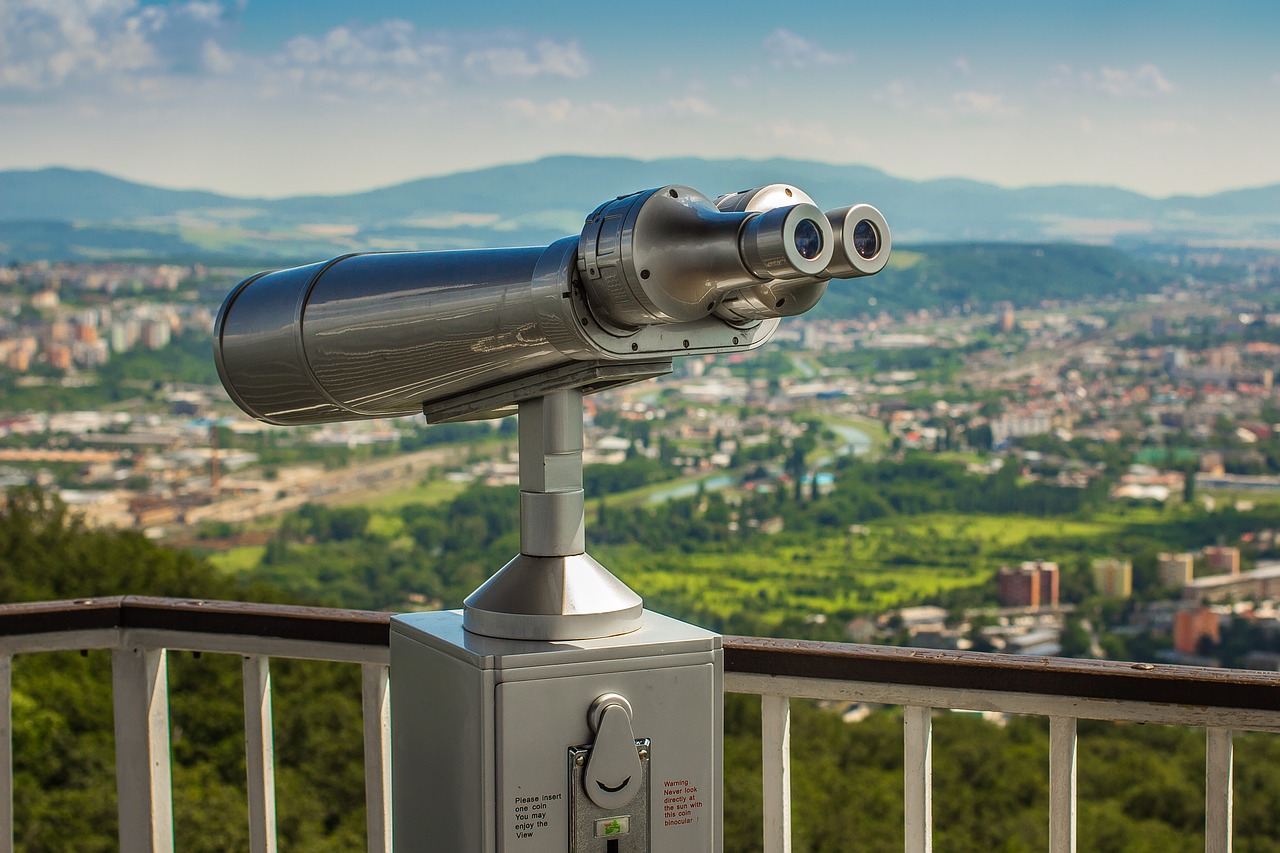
(1230,497)
(999,530)
(870,427)
(384,520)
(888,564)
(433,491)
(237,560)
(786,583)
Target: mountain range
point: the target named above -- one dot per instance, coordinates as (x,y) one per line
(64,214)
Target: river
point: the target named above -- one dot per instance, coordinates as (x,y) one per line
(856,443)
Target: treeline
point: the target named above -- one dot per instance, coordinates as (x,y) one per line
(864,491)
(965,275)
(436,555)
(1140,787)
(64,754)
(632,473)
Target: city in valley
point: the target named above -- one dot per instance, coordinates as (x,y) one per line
(1111,465)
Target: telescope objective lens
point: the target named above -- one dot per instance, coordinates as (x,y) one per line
(866,239)
(808,239)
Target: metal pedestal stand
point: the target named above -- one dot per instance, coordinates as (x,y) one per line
(553,589)
(553,714)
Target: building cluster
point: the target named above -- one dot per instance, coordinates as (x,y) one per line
(1012,631)
(78,316)
(1210,591)
(1194,631)
(1178,407)
(1033,584)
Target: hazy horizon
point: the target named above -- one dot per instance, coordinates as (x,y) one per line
(255,99)
(551,156)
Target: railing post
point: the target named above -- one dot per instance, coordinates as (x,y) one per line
(140,698)
(1062,785)
(1218,803)
(775,745)
(259,751)
(376,690)
(917,778)
(6,754)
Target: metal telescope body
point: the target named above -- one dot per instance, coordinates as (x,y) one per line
(653,275)
(553,713)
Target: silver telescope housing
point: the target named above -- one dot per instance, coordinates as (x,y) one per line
(464,334)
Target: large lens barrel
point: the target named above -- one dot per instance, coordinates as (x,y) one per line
(379,334)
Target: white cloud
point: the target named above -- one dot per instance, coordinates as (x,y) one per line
(788,50)
(1144,80)
(692,105)
(564,60)
(395,57)
(1171,127)
(812,132)
(216,59)
(962,65)
(387,45)
(557,111)
(389,57)
(981,103)
(47,44)
(562,111)
(546,58)
(898,94)
(906,97)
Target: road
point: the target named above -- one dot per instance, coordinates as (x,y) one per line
(297,486)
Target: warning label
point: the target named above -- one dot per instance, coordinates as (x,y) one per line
(680,803)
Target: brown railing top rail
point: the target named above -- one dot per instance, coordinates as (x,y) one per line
(288,622)
(1107,680)
(1044,676)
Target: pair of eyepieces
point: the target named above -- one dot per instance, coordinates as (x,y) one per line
(808,239)
(860,233)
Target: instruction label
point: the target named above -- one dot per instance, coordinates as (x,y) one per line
(680,803)
(529,815)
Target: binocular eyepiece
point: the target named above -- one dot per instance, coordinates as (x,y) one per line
(653,275)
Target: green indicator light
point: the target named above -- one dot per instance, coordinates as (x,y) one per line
(608,827)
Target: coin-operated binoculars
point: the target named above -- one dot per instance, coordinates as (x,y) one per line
(552,713)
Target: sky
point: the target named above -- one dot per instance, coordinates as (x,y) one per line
(284,97)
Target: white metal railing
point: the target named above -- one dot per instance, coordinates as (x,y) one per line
(1219,701)
(139,632)
(139,651)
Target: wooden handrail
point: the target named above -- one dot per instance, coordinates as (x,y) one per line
(1044,676)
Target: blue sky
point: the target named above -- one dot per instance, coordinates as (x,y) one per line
(278,97)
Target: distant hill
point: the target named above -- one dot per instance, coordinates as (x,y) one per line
(67,214)
(979,274)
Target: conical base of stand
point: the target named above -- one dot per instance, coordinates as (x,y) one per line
(552,598)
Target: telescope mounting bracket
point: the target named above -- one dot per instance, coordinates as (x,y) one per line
(551,590)
(502,399)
